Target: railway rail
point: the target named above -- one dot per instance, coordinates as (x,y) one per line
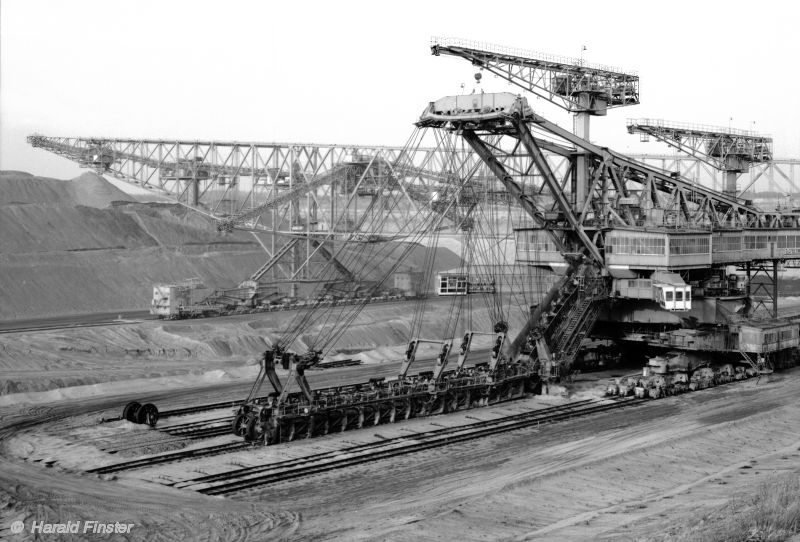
(169,458)
(364,452)
(195,409)
(250,477)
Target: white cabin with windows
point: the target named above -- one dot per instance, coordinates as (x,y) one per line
(668,249)
(536,247)
(671,292)
(667,289)
(481,279)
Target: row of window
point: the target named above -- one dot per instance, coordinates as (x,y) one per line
(690,245)
(654,246)
(453,285)
(755,242)
(461,284)
(678,295)
(695,245)
(771,337)
(728,243)
(542,246)
(789,241)
(625,244)
(535,241)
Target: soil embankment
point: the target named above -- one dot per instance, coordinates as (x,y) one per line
(80,246)
(84,246)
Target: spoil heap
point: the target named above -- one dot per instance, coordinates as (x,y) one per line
(83,246)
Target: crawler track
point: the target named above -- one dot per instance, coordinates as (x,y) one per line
(249,477)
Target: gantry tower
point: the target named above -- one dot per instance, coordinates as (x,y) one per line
(729,150)
(572,84)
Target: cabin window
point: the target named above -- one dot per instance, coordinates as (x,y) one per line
(630,243)
(728,243)
(535,241)
(669,295)
(755,242)
(678,295)
(689,245)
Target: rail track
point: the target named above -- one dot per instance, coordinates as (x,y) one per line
(407,443)
(181,433)
(199,429)
(187,410)
(171,457)
(336,364)
(249,477)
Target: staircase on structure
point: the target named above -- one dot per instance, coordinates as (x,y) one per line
(570,318)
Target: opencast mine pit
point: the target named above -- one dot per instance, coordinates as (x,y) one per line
(565,460)
(626,472)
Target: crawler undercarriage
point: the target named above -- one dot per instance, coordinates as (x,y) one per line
(283,417)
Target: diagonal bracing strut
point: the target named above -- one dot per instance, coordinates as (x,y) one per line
(510,184)
(555,188)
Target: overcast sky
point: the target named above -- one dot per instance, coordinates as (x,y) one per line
(361,72)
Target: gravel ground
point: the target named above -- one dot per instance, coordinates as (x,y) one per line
(629,475)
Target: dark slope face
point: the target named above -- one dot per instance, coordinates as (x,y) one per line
(84,246)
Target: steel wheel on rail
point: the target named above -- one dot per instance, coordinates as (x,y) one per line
(254,429)
(148,414)
(129,412)
(239,424)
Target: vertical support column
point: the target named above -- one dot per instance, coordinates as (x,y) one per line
(747,284)
(273,234)
(194,192)
(730,182)
(294,215)
(580,127)
(734,166)
(774,288)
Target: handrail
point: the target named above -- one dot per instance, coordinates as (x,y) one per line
(526,54)
(693,127)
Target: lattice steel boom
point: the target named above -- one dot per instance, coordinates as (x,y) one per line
(726,149)
(570,83)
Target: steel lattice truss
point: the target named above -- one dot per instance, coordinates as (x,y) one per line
(567,82)
(725,149)
(305,197)
(777,175)
(622,190)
